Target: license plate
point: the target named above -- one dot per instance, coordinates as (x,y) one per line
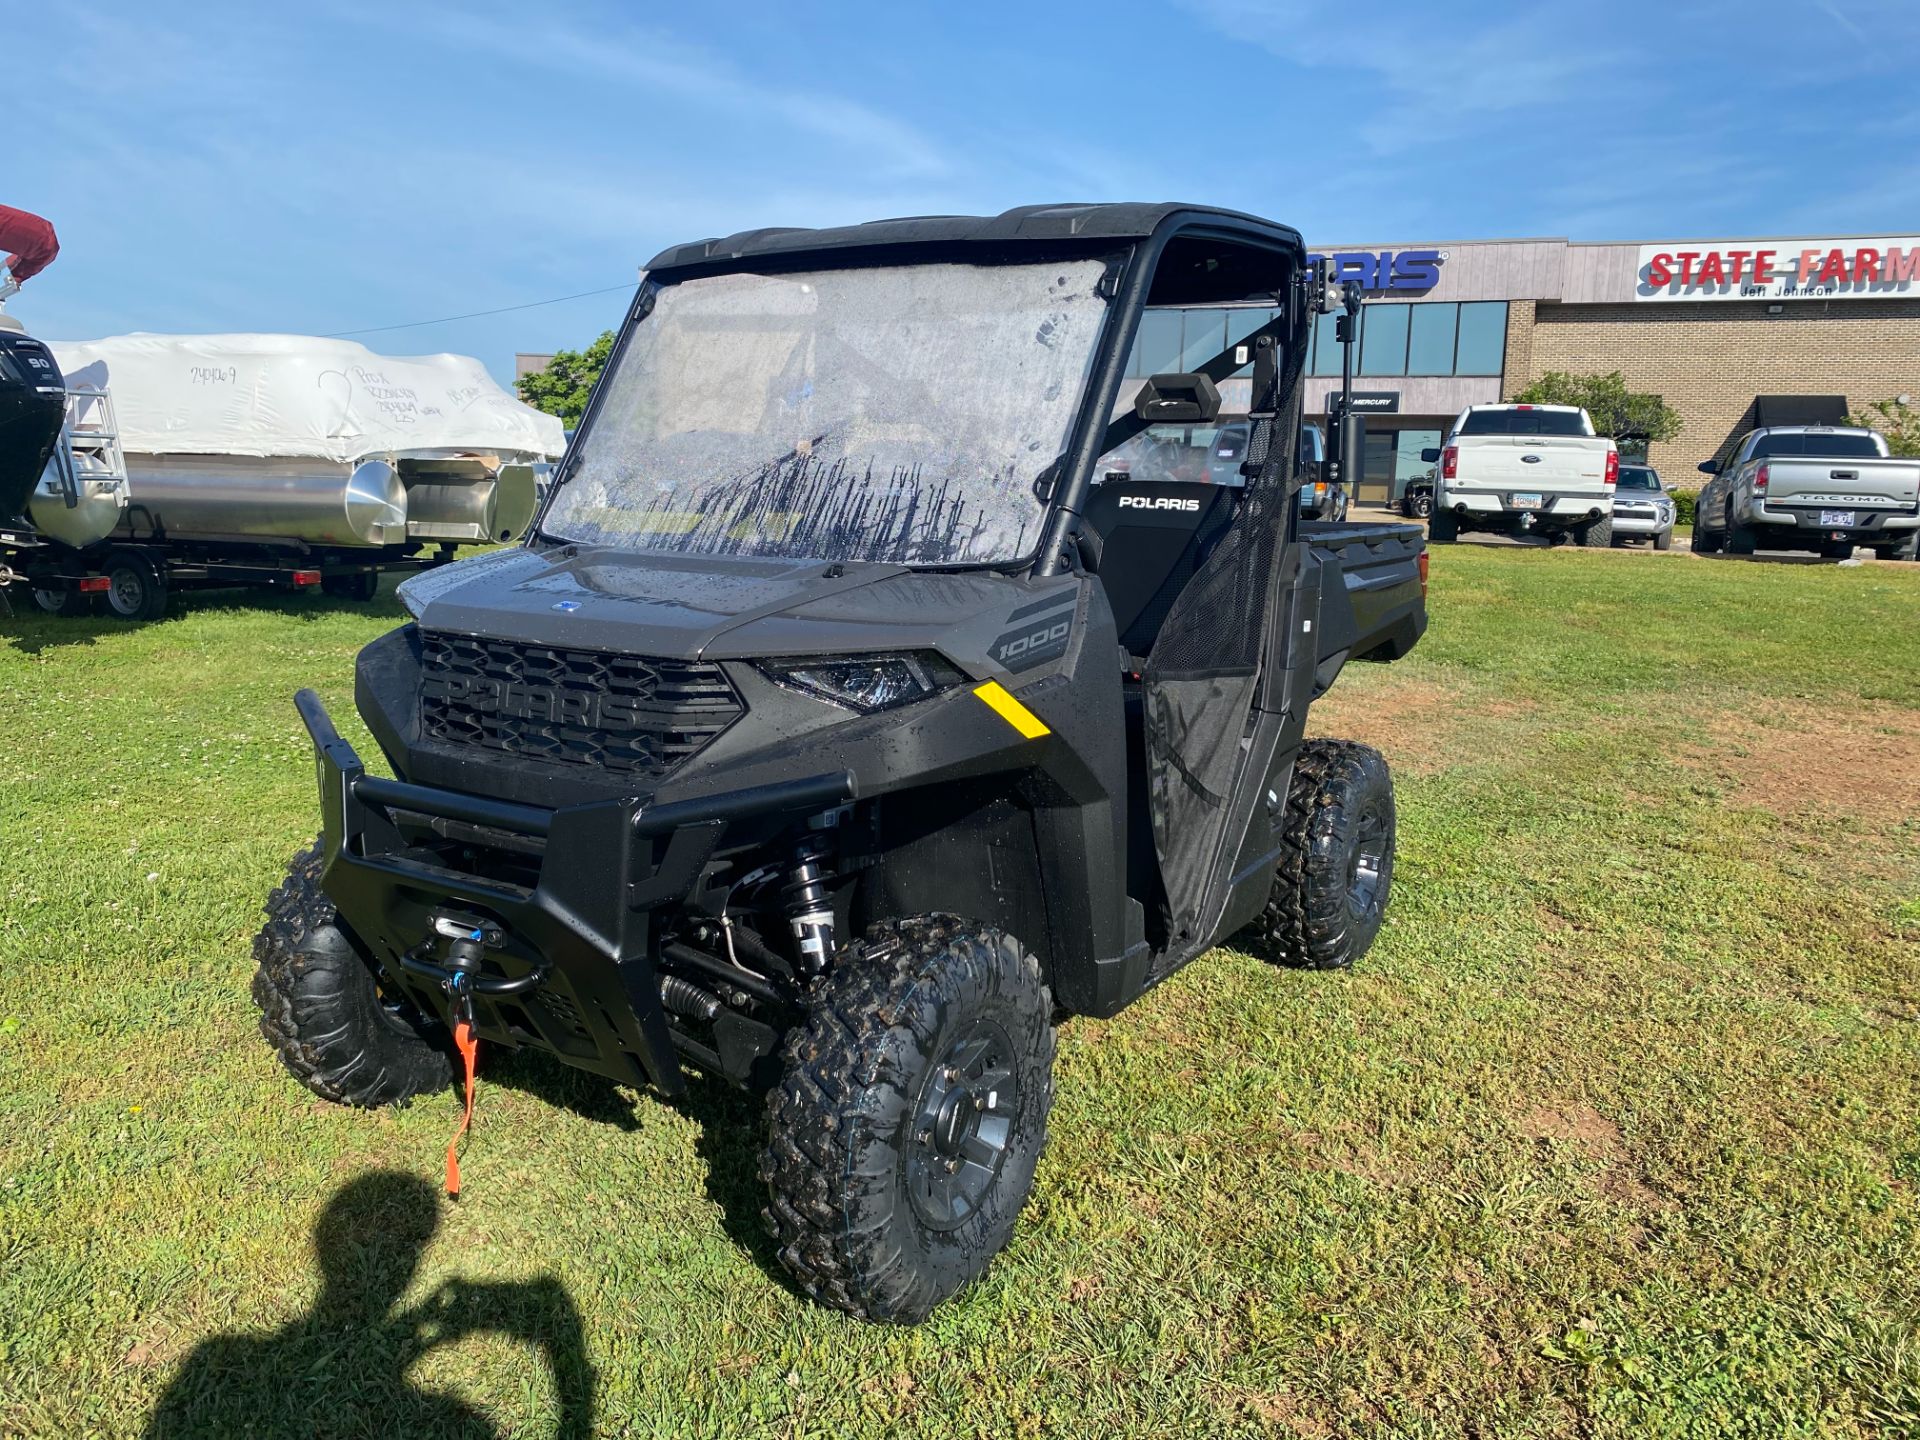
(1836,517)
(1526,502)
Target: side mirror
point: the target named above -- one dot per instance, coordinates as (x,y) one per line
(1182,397)
(1430,456)
(1709,467)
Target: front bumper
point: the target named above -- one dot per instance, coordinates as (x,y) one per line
(571,922)
(1628,523)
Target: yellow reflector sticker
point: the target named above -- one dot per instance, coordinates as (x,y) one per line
(1030,725)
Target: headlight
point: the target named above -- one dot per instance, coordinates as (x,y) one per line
(869,682)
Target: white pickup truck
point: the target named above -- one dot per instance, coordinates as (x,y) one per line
(1810,487)
(1519,468)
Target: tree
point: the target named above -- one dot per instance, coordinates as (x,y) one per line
(1897,421)
(1616,410)
(562,388)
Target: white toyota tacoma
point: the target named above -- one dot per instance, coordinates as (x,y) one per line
(1514,469)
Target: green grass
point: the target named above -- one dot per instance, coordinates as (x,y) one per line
(1614,1132)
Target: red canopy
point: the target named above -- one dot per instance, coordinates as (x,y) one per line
(30,238)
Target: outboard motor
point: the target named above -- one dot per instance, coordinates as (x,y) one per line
(33,406)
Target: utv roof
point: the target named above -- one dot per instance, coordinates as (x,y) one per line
(1036,225)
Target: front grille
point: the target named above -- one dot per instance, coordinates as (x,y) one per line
(617,712)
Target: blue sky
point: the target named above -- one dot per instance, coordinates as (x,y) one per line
(327,167)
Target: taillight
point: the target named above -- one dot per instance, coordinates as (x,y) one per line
(1760,478)
(1612,477)
(306,577)
(1449,462)
(92,585)
(1423,574)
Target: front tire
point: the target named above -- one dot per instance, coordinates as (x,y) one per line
(909,1117)
(1331,886)
(321,1008)
(64,601)
(1664,540)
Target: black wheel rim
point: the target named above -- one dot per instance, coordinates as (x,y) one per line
(1366,873)
(962,1127)
(126,590)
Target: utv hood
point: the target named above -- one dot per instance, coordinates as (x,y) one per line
(619,602)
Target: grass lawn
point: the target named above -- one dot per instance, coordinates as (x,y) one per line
(1614,1133)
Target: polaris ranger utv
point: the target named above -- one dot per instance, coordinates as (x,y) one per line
(838,730)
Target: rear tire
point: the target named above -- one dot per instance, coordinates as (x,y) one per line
(359,587)
(66,602)
(909,1037)
(136,589)
(1442,528)
(321,1009)
(1335,874)
(1596,534)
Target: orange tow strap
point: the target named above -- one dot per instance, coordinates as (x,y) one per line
(468,1044)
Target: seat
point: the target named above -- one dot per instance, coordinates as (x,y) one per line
(1147,538)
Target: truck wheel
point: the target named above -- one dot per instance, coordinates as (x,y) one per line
(321,1009)
(64,601)
(1741,540)
(910,1114)
(1596,534)
(1663,540)
(136,590)
(1836,549)
(1336,863)
(1442,528)
(1906,549)
(1705,541)
(360,587)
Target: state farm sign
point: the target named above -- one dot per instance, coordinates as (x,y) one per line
(1853,269)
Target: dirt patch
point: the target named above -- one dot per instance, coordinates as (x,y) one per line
(1797,758)
(1598,1139)
(1412,722)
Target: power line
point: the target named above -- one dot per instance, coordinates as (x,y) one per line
(474,314)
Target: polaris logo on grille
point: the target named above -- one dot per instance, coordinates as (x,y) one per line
(542,704)
(1158,502)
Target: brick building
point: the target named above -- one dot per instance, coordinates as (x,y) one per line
(1709,324)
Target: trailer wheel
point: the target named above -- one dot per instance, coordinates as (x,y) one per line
(322,1011)
(909,1117)
(360,586)
(1331,886)
(64,601)
(1442,528)
(136,590)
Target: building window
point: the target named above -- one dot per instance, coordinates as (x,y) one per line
(1482,348)
(1205,337)
(1430,348)
(1383,344)
(1156,347)
(1325,359)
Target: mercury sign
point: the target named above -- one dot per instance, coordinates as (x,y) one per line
(1387,270)
(1849,269)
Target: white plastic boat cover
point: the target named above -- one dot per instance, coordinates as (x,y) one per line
(295,395)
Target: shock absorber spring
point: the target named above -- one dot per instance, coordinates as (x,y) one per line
(809,908)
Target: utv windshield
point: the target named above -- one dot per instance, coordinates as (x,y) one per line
(898,414)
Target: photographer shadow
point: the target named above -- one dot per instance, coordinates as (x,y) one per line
(343,1367)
